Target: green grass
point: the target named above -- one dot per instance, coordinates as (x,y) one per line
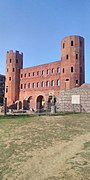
(87,145)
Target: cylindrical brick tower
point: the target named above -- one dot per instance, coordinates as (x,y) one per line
(72,62)
(14,62)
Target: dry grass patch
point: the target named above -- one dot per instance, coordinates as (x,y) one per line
(45,147)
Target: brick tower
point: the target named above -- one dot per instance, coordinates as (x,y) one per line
(72,62)
(14,62)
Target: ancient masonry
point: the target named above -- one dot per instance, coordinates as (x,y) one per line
(34,87)
(2,87)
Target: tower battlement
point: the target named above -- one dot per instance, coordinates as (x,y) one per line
(72,36)
(15,52)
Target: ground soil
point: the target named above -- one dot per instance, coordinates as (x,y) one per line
(46,148)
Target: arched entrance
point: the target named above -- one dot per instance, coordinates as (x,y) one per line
(18,105)
(29,103)
(40,103)
(51,101)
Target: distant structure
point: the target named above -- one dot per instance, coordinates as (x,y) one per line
(33,88)
(2,86)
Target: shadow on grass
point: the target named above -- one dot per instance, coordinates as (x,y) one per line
(15,116)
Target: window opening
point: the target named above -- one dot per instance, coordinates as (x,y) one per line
(67,56)
(71,69)
(52,83)
(71,43)
(58,82)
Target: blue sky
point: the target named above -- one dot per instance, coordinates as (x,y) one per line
(36,28)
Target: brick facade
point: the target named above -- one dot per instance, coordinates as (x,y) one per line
(35,86)
(72,62)
(2,87)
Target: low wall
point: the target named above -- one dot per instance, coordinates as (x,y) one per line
(64,102)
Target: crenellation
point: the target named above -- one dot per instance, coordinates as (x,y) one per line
(15,52)
(11,51)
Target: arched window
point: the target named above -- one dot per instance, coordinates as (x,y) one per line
(33,85)
(76,56)
(52,83)
(9,78)
(47,84)
(42,72)
(67,56)
(47,71)
(42,84)
(25,86)
(58,70)
(77,82)
(37,73)
(72,69)
(71,43)
(33,74)
(38,84)
(29,74)
(58,82)
(52,70)
(28,85)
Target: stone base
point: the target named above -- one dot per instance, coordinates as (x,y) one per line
(53,109)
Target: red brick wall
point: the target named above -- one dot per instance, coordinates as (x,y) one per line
(14,61)
(45,91)
(22,77)
(71,50)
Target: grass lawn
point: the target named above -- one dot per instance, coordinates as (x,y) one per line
(45,147)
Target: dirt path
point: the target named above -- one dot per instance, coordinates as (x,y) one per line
(51,162)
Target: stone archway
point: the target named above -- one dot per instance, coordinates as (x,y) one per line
(29,103)
(18,105)
(40,103)
(51,101)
